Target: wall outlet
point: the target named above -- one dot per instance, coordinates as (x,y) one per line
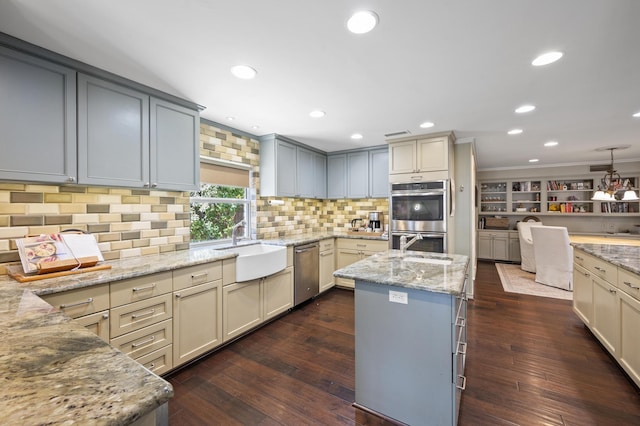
(610,227)
(398,297)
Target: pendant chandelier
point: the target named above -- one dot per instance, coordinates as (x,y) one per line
(613,182)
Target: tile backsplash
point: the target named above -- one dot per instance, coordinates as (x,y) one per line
(132,222)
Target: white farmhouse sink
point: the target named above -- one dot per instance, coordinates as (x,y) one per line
(259,260)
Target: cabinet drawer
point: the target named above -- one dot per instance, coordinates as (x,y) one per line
(81,301)
(158,362)
(145,340)
(137,289)
(134,316)
(198,274)
(362,245)
(580,258)
(601,268)
(326,245)
(97,323)
(629,283)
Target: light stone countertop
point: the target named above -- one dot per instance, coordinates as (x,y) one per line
(624,256)
(297,240)
(411,270)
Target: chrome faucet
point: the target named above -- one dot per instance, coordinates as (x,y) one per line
(404,245)
(234,229)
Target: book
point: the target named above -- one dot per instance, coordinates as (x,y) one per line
(47,248)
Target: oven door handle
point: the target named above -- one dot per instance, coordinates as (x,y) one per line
(452,198)
(416,194)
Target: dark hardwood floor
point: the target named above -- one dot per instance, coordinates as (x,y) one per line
(530,361)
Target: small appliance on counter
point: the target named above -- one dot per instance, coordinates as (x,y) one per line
(375,221)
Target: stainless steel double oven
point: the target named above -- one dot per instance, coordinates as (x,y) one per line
(420,207)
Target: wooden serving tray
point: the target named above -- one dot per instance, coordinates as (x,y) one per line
(58,268)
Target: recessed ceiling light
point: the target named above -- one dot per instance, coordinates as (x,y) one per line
(317,113)
(356,136)
(534,160)
(637,114)
(551,143)
(525,108)
(427,124)
(231,118)
(546,58)
(244,72)
(362,22)
(514,131)
(255,127)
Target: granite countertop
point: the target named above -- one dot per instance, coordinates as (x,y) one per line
(56,372)
(411,270)
(624,256)
(297,240)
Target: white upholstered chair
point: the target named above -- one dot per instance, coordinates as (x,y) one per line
(553,256)
(528,262)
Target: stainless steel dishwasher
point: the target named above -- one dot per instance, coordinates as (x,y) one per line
(306,272)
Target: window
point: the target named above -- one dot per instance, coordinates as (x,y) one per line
(221,202)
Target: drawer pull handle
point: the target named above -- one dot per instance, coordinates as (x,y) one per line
(462,348)
(145,342)
(579,258)
(326,254)
(462,386)
(149,287)
(612,291)
(361,245)
(144,314)
(586,274)
(152,366)
(600,269)
(73,305)
(200,275)
(461,322)
(631,285)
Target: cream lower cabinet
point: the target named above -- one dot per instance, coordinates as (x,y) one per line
(493,245)
(197,311)
(277,293)
(327,264)
(351,250)
(610,307)
(514,247)
(241,307)
(89,306)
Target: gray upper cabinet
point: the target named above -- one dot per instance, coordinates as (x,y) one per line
(358,174)
(290,170)
(113,134)
(337,176)
(320,172)
(126,138)
(174,146)
(37,119)
(379,173)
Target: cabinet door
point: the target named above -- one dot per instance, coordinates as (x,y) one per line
(500,247)
(286,170)
(344,258)
(278,293)
(337,176)
(514,248)
(432,154)
(379,173)
(358,175)
(320,180)
(37,118)
(242,307)
(402,157)
(97,323)
(174,147)
(484,246)
(629,348)
(582,294)
(305,173)
(197,320)
(113,134)
(327,267)
(605,324)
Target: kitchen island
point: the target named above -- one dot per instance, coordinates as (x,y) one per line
(410,322)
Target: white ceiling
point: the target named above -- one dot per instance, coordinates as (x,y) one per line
(463,64)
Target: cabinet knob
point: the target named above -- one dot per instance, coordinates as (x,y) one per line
(146,184)
(71,179)
(178,295)
(154,185)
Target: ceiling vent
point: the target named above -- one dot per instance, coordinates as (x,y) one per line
(599,167)
(396,134)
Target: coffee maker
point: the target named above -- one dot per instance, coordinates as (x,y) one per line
(375,221)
